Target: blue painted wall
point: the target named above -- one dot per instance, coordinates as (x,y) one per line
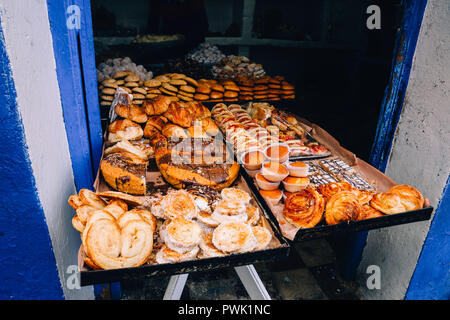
(28,266)
(431,279)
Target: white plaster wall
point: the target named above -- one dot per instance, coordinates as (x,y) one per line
(29,45)
(420,155)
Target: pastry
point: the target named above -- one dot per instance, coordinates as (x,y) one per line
(114,195)
(178,113)
(235,194)
(131,112)
(89,198)
(182,235)
(172,131)
(207,247)
(201,97)
(75,201)
(253,215)
(363,196)
(263,237)
(230,211)
(343,206)
(410,197)
(328,190)
(124,146)
(304,209)
(124,173)
(388,203)
(157,106)
(234,237)
(369,213)
(124,130)
(166,255)
(179,203)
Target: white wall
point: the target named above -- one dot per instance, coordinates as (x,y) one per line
(29,45)
(420,155)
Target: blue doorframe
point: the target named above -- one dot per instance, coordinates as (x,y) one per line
(391,109)
(75,66)
(73,46)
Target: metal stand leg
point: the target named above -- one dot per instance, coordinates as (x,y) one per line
(252,283)
(175,287)
(247,274)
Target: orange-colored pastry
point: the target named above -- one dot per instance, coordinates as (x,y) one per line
(369,213)
(388,203)
(304,209)
(180,114)
(343,206)
(131,112)
(329,189)
(410,197)
(156,106)
(362,195)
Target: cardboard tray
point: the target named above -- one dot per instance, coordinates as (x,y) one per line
(277,249)
(381,182)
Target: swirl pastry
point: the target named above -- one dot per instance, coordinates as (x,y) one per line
(369,213)
(179,203)
(362,195)
(234,237)
(410,197)
(388,203)
(343,207)
(330,189)
(182,235)
(304,209)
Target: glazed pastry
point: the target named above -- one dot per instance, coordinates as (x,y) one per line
(362,195)
(304,209)
(75,201)
(156,106)
(343,206)
(410,197)
(180,114)
(131,112)
(179,203)
(369,213)
(388,203)
(89,198)
(182,235)
(330,189)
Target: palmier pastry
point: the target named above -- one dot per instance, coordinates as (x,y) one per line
(124,173)
(234,237)
(343,206)
(388,203)
(182,235)
(116,207)
(89,198)
(111,246)
(75,201)
(304,209)
(112,195)
(330,189)
(124,130)
(179,203)
(410,197)
(369,213)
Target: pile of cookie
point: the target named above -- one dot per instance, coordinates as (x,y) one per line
(126,80)
(176,85)
(266,88)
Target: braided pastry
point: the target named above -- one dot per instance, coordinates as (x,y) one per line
(304,209)
(410,197)
(343,207)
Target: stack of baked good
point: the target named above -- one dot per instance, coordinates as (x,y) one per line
(198,226)
(214,91)
(175,85)
(265,88)
(340,202)
(232,66)
(113,235)
(128,81)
